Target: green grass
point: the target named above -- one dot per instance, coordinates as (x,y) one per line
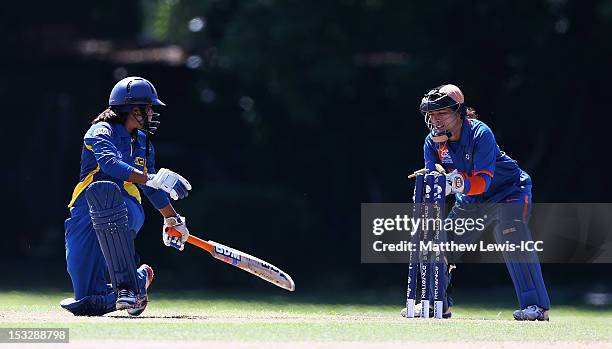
(208,316)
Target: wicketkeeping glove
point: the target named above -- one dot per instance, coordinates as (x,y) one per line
(455,183)
(178,223)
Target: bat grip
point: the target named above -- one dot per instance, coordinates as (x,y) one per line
(192,239)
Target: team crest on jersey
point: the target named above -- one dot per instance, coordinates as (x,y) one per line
(101,131)
(443,154)
(139,161)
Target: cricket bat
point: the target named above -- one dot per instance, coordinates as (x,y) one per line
(242,260)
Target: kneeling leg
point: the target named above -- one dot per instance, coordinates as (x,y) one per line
(109,216)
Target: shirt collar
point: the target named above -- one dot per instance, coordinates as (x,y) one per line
(465,132)
(122,131)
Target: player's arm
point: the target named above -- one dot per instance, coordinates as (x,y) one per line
(430,154)
(164,180)
(469,185)
(479,180)
(159,199)
(99,140)
(157,185)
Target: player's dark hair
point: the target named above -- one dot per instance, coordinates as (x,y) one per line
(111,116)
(471,113)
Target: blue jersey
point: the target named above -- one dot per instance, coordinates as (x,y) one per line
(477,152)
(110,153)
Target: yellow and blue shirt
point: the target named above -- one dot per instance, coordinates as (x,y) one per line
(110,153)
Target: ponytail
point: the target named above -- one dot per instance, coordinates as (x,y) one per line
(111,117)
(471,113)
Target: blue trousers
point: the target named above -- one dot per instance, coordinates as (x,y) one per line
(84,259)
(510,220)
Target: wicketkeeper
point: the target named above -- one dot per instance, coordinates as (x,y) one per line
(480,173)
(105,211)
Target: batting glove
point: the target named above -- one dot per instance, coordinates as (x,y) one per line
(178,223)
(170,182)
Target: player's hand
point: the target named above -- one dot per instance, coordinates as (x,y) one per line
(170,182)
(178,224)
(455,183)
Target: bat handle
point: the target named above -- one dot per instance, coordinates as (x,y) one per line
(192,239)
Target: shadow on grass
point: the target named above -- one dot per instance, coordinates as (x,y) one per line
(179,317)
(492,297)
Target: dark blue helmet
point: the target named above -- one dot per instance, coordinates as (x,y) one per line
(133,90)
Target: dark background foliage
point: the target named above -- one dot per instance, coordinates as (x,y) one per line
(286,115)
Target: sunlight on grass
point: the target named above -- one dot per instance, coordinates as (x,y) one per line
(213,317)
